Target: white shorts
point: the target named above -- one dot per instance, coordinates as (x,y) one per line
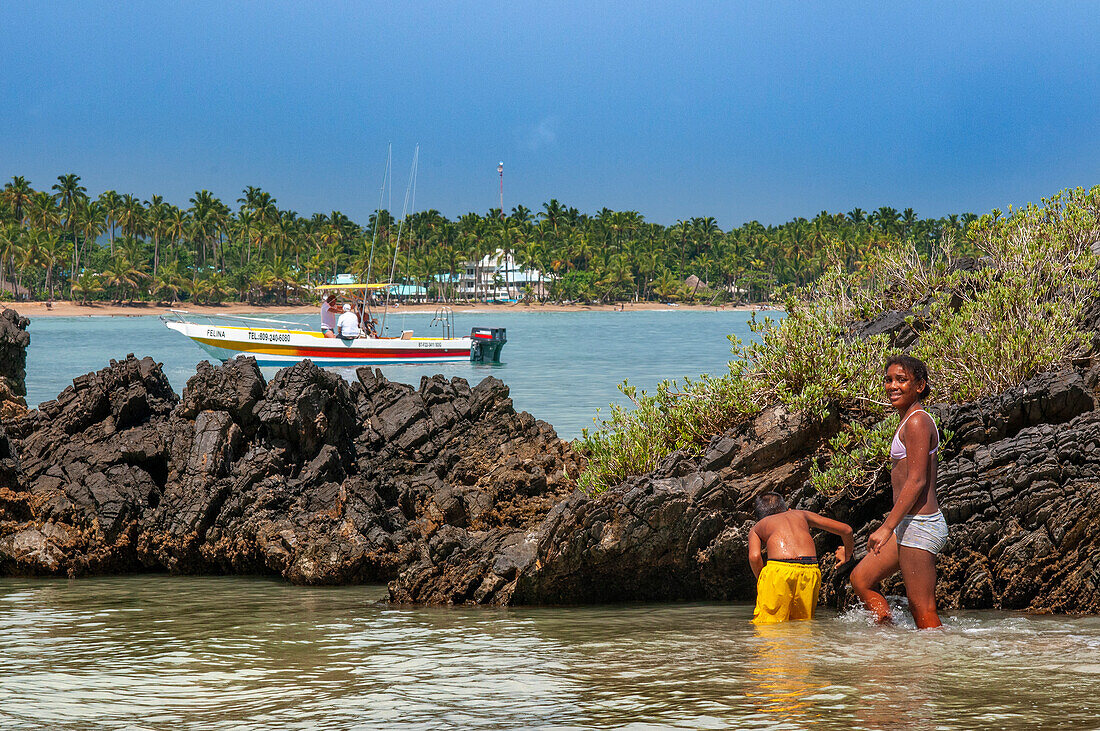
(928,532)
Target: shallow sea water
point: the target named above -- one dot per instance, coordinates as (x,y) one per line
(560,366)
(154,651)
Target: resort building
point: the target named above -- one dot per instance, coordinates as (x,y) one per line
(497,276)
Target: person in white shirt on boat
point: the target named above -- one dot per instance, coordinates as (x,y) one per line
(348,324)
(328,315)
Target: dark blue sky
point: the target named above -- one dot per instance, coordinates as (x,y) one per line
(736,110)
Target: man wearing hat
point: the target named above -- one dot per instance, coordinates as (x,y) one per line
(329,311)
(348,324)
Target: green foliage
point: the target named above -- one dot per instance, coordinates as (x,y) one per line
(808,362)
(982,329)
(632,441)
(1020,315)
(611,255)
(855,458)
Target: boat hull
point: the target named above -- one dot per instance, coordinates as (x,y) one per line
(277,347)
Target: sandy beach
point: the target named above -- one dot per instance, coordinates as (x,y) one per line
(100,309)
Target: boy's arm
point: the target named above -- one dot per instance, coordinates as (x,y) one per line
(756,560)
(836,528)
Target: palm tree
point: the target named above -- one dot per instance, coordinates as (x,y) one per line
(111,202)
(131,217)
(885,218)
(17,194)
(680,231)
(552,212)
(176,225)
(70,195)
(89,221)
(42,212)
(246,224)
(259,248)
(617,277)
(24,258)
(85,285)
(69,191)
(169,281)
(580,253)
(205,211)
(666,285)
(214,287)
(156,219)
(10,234)
(283,279)
(124,275)
(51,250)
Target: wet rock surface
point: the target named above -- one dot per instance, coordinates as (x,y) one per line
(451,496)
(308,477)
(14,340)
(1019,484)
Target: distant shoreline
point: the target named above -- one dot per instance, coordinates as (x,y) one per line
(71,309)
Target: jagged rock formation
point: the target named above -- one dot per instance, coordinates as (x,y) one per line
(1019,483)
(308,477)
(14,340)
(453,497)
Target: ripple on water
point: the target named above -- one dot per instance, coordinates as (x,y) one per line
(156,651)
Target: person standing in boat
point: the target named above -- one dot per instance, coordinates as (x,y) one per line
(348,324)
(915,530)
(329,310)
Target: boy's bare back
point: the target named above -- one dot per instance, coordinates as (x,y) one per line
(786,535)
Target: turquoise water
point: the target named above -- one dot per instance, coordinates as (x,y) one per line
(153,651)
(159,652)
(561,366)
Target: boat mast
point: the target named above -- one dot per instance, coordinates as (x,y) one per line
(364,308)
(397,246)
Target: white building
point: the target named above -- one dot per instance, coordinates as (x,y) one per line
(499,277)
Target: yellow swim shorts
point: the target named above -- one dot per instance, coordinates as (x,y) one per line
(786,590)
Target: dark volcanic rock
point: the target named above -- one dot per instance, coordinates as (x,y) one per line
(677,533)
(453,497)
(1019,484)
(14,340)
(234,388)
(894,325)
(92,462)
(308,477)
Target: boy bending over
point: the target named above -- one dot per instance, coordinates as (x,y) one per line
(787,587)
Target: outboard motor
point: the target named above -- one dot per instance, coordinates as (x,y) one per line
(486,344)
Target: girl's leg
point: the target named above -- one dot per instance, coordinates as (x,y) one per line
(918,570)
(873,568)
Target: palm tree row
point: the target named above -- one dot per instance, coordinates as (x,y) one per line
(63,241)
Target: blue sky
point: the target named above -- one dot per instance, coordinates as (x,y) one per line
(737,110)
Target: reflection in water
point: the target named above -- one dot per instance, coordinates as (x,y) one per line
(781,671)
(898,695)
(216,652)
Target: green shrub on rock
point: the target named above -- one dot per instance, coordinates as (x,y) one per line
(983,327)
